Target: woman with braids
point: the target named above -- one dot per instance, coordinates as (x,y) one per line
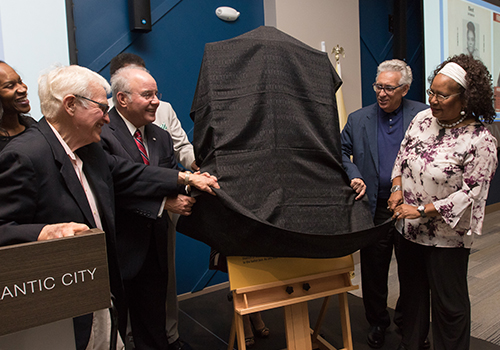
(441,178)
(15,103)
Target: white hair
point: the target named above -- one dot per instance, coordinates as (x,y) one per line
(120,81)
(61,81)
(396,65)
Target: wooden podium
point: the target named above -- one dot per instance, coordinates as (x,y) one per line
(260,284)
(48,281)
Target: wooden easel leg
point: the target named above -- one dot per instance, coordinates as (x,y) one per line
(232,334)
(298,336)
(240,331)
(345,321)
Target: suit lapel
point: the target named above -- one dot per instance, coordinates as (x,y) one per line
(67,171)
(100,189)
(122,134)
(371,134)
(408,113)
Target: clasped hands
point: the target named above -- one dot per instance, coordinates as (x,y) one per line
(399,209)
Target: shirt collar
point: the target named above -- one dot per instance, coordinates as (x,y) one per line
(131,128)
(68,151)
(383,113)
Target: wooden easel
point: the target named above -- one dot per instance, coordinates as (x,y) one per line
(260,284)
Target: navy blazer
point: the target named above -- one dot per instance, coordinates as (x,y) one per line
(137,220)
(359,140)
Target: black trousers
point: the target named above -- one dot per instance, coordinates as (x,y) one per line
(436,278)
(375,263)
(146,296)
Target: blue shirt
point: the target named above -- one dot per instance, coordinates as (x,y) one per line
(390,133)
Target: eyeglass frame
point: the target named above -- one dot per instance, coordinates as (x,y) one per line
(104,107)
(387,89)
(147,92)
(439,97)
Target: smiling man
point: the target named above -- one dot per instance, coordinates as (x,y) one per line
(57,181)
(372,137)
(142,241)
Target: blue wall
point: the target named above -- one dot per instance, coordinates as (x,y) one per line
(377,45)
(173,51)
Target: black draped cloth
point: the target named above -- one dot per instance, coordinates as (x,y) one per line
(266,124)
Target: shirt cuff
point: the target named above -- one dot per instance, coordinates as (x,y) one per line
(160,213)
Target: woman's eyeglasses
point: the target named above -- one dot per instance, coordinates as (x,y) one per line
(440,97)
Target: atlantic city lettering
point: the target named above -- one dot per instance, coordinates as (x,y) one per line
(48,283)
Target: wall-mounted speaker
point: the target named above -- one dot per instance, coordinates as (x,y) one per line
(139,15)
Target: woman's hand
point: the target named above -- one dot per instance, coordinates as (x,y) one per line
(405,211)
(395,199)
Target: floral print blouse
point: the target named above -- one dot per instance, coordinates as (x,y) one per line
(451,168)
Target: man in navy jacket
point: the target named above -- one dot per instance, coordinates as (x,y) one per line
(372,136)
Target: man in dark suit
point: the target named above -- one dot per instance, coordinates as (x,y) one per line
(57,182)
(166,119)
(142,242)
(372,136)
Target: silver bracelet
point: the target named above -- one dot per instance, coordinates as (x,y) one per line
(395,188)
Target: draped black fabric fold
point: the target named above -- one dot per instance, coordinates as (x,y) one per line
(266,124)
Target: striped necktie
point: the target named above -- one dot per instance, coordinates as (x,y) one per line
(140,145)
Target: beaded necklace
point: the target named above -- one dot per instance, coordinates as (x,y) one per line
(443,125)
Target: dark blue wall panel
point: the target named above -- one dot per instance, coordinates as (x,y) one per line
(377,44)
(173,51)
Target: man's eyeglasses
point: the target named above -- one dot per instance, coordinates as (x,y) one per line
(388,89)
(103,106)
(147,95)
(439,97)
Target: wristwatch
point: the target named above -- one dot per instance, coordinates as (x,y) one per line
(421,210)
(395,188)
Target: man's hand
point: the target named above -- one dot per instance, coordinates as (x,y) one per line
(180,205)
(61,230)
(203,182)
(359,186)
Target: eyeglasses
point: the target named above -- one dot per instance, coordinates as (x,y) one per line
(439,97)
(103,106)
(388,89)
(147,95)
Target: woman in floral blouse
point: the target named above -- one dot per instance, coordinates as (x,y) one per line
(440,182)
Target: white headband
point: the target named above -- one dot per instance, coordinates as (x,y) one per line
(455,72)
